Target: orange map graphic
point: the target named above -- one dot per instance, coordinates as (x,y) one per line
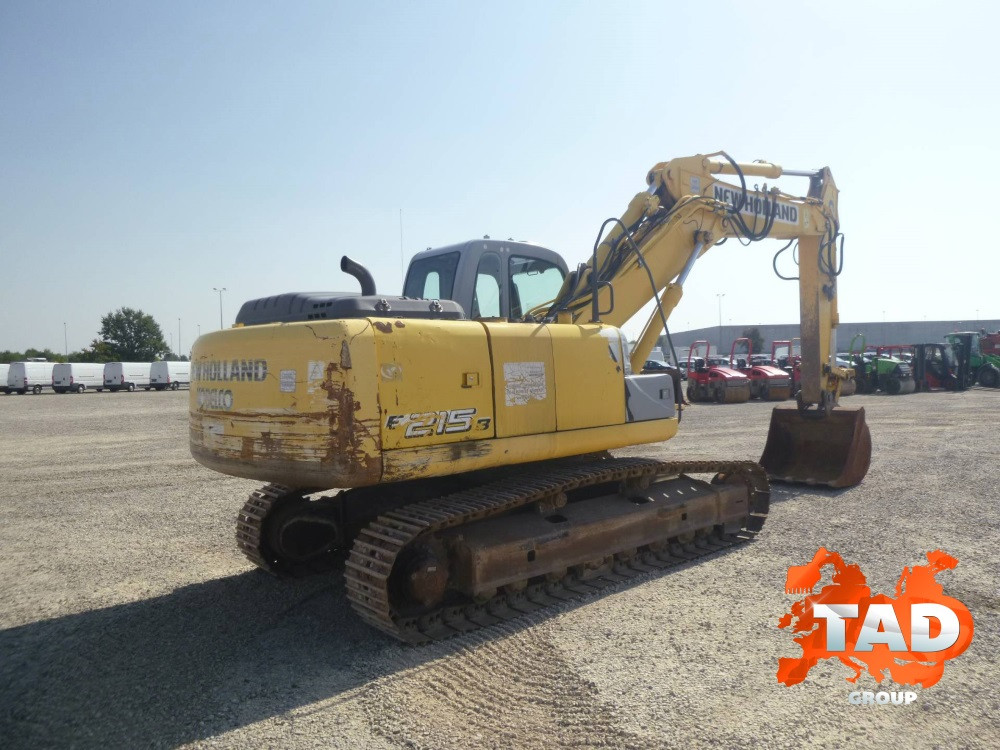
(916,585)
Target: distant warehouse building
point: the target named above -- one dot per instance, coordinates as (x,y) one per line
(876,333)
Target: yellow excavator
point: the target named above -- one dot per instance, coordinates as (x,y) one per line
(468,422)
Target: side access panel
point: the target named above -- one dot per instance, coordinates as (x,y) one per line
(524,378)
(590,378)
(435,382)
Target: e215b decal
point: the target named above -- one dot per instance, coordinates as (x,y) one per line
(425,424)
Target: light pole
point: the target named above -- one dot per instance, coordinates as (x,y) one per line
(178,337)
(884,342)
(220,291)
(65,339)
(172,343)
(720,296)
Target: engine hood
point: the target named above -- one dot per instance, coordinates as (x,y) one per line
(728,373)
(769,371)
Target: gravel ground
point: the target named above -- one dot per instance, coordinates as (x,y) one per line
(130,620)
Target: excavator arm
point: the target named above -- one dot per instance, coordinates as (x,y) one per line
(688,209)
(651,250)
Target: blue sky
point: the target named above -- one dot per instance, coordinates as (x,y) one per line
(149,153)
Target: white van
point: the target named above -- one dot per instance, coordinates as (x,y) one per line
(77,377)
(126,375)
(4,369)
(31,376)
(170,375)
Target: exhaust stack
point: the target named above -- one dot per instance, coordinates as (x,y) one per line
(359,272)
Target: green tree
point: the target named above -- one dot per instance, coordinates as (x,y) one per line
(131,335)
(756,340)
(98,351)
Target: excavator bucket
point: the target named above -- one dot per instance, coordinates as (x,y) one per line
(834,450)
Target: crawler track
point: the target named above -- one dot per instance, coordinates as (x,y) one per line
(251,537)
(250,521)
(378,546)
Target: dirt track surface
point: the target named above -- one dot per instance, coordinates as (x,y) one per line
(128,618)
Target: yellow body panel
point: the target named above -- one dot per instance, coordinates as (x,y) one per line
(294,403)
(525,378)
(350,403)
(435,382)
(590,385)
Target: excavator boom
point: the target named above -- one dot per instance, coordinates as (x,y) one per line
(651,250)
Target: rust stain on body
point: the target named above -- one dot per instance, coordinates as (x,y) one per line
(246,450)
(347,434)
(416,463)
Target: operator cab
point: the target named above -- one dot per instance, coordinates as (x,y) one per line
(487,278)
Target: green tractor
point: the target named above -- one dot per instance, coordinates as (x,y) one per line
(983,368)
(880,371)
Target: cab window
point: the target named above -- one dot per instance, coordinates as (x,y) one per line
(532,283)
(431,278)
(486,300)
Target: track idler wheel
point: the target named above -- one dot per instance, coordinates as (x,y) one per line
(300,535)
(295,537)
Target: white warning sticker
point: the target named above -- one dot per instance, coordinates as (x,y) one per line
(523,382)
(316,370)
(287,381)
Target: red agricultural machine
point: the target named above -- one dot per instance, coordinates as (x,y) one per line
(939,367)
(711,378)
(767,382)
(989,344)
(787,355)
